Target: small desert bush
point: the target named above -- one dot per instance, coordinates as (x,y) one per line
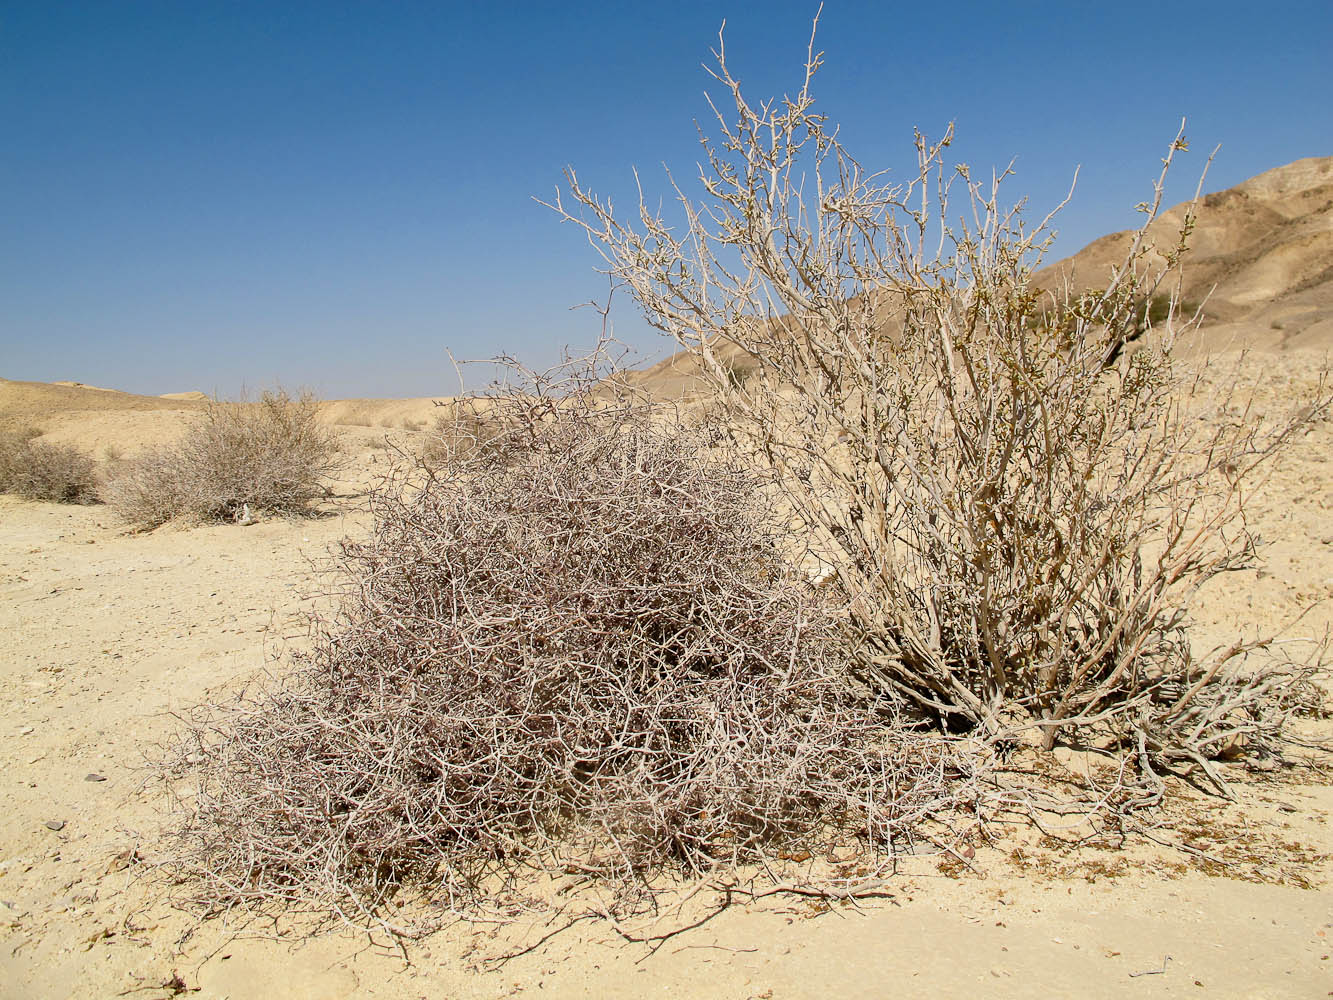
(14,448)
(38,470)
(271,455)
(579,651)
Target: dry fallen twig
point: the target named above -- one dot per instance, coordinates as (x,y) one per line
(1152,972)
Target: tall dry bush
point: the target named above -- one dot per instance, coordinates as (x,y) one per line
(270,455)
(579,652)
(39,470)
(1008,485)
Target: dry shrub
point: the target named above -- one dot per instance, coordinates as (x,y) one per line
(1008,485)
(14,452)
(271,455)
(150,489)
(579,652)
(39,470)
(466,427)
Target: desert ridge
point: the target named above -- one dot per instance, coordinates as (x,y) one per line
(1260,265)
(95,419)
(1260,259)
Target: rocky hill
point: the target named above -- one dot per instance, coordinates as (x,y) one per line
(1260,261)
(1260,258)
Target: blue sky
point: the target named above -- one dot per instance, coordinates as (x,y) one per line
(201,195)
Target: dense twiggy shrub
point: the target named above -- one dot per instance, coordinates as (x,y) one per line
(149,489)
(271,455)
(581,651)
(39,470)
(1009,487)
(14,446)
(461,427)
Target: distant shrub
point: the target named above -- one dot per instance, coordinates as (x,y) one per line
(735,373)
(270,455)
(148,490)
(41,471)
(14,446)
(1162,309)
(466,428)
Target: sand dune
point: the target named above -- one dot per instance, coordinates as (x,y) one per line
(387,413)
(96,419)
(90,418)
(34,402)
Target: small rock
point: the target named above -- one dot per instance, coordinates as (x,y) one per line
(123,859)
(94,777)
(55,824)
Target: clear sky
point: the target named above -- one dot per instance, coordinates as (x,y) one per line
(201,195)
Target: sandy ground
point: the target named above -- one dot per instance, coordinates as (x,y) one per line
(104,634)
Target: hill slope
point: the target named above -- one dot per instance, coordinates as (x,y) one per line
(1260,258)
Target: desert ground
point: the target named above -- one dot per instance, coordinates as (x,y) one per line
(104,634)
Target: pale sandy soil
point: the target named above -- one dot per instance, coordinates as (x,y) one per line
(104,634)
